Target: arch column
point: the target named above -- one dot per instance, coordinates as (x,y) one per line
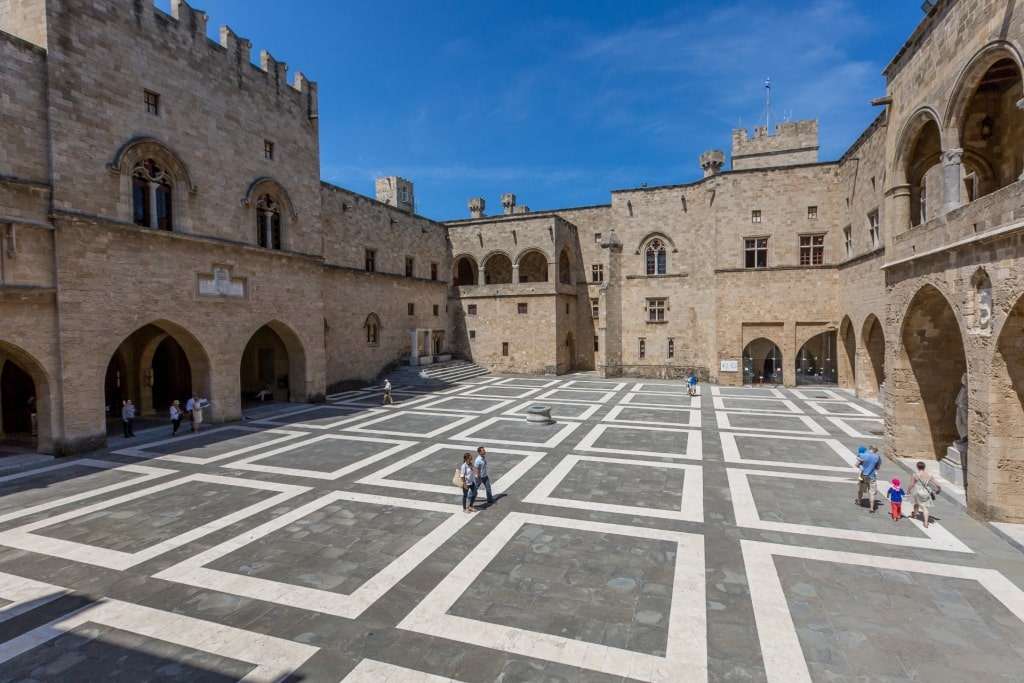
(900,208)
(951,180)
(481,275)
(1020,105)
(515,273)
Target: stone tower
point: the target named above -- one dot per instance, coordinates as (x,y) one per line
(712,162)
(396,192)
(793,143)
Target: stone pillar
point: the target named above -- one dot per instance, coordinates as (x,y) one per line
(515,273)
(900,208)
(610,334)
(1020,105)
(951,179)
(481,275)
(414,347)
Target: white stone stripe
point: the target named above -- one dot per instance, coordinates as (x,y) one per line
(651,399)
(23,538)
(938,537)
(581,395)
(731,452)
(812,426)
(247,463)
(346,419)
(849,430)
(571,384)
(691,498)
(591,408)
(686,648)
(694,444)
(25,594)
(822,407)
(498,404)
(183,440)
(744,392)
(193,572)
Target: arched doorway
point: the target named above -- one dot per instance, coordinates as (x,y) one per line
(847,354)
(762,362)
(924,174)
(869,381)
(465,272)
(816,360)
(926,379)
(26,404)
(533,267)
(995,485)
(18,402)
(274,358)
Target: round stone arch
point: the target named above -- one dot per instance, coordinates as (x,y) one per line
(871,365)
(464,270)
(928,363)
(972,75)
(917,160)
(497,268)
(136,151)
(762,362)
(274,353)
(42,388)
(533,265)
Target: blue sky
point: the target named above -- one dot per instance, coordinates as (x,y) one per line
(561,101)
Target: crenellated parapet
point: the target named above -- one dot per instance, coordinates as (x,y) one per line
(793,143)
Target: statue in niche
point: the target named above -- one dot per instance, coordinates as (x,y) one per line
(961,410)
(984,309)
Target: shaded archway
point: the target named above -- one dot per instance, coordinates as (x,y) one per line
(847,350)
(816,360)
(570,351)
(994,480)
(26,403)
(533,267)
(464,272)
(762,362)
(872,372)
(498,270)
(564,268)
(153,366)
(17,397)
(926,376)
(273,356)
(924,173)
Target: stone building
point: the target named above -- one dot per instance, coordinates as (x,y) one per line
(165,232)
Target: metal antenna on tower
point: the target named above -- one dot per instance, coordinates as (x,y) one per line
(767,103)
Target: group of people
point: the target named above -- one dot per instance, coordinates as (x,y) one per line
(923,486)
(193,411)
(473,473)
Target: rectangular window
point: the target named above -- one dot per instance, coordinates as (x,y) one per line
(412,309)
(597,272)
(433,271)
(471,309)
(409,263)
(595,308)
(371,260)
(643,348)
(437,309)
(472,334)
(152,102)
(522,308)
(656,310)
(812,213)
(875,228)
(848,240)
(755,252)
(504,348)
(597,344)
(755,216)
(597,237)
(812,250)
(671,348)
(268,150)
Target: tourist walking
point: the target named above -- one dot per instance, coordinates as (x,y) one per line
(128,418)
(469,483)
(895,496)
(387,394)
(175,417)
(480,465)
(868,462)
(691,384)
(923,489)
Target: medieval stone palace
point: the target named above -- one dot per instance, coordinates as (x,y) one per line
(165,232)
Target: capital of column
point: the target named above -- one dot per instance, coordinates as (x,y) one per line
(951,157)
(899,191)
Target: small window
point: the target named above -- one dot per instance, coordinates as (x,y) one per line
(471,309)
(656,310)
(371,260)
(812,213)
(409,263)
(268,150)
(412,309)
(875,228)
(433,271)
(755,216)
(595,308)
(597,238)
(437,309)
(848,240)
(671,348)
(523,308)
(755,252)
(472,334)
(597,272)
(504,348)
(643,348)
(597,344)
(152,102)
(812,250)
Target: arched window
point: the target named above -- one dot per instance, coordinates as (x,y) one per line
(656,257)
(372,326)
(151,196)
(268,223)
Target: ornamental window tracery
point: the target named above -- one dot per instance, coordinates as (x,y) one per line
(268,223)
(151,196)
(655,257)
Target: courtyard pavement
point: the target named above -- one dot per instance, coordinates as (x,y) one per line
(644,536)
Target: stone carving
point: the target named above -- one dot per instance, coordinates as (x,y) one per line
(961,409)
(221,284)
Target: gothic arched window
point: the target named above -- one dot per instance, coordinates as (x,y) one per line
(151,196)
(268,223)
(656,258)
(372,329)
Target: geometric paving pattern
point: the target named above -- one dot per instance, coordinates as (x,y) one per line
(646,535)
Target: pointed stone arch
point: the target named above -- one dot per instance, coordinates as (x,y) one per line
(465,271)
(871,352)
(847,354)
(916,166)
(27,399)
(996,441)
(274,353)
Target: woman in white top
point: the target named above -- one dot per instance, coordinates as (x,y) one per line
(175,417)
(923,489)
(469,483)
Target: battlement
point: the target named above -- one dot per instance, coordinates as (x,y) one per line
(794,142)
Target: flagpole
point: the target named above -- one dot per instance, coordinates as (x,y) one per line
(767,104)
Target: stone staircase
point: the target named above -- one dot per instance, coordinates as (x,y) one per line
(436,375)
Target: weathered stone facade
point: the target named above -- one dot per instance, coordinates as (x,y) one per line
(165,231)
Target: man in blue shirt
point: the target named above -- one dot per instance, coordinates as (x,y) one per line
(480,465)
(868,462)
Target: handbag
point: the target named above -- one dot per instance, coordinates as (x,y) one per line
(457,479)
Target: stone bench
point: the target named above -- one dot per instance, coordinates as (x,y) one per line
(539,415)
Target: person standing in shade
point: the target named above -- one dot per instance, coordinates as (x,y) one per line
(175,417)
(128,418)
(868,463)
(469,483)
(387,394)
(480,465)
